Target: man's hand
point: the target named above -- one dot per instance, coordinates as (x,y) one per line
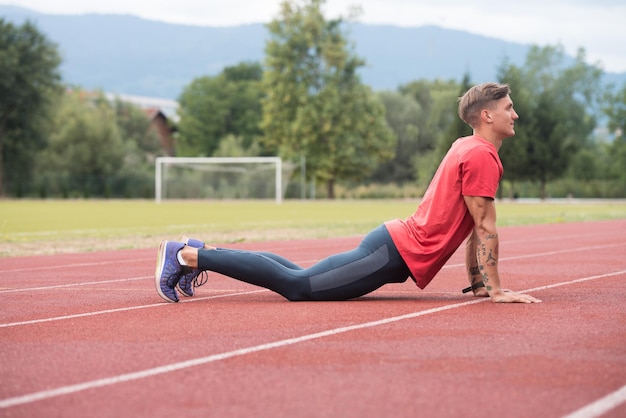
(508,296)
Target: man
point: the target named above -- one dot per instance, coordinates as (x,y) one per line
(459,202)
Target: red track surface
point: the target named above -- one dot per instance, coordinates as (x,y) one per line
(87,335)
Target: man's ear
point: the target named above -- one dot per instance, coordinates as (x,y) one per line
(485,116)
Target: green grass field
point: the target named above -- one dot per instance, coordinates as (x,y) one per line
(53,226)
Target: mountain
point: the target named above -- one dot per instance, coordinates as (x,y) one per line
(124,54)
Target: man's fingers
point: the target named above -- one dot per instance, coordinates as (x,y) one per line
(517,297)
(530,299)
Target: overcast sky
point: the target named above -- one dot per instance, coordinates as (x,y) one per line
(598,26)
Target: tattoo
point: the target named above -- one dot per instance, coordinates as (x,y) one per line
(474,271)
(483,274)
(490,257)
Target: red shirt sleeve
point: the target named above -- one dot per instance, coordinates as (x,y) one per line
(481,171)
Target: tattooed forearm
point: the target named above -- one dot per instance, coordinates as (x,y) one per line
(487,256)
(485,277)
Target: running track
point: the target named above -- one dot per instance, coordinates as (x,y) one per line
(87,335)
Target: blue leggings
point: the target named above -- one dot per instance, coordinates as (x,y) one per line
(343,276)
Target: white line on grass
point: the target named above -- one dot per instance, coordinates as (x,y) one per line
(69,389)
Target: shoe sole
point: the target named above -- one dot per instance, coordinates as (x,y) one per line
(159,270)
(183,293)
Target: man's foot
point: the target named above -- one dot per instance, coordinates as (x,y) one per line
(168,270)
(194,278)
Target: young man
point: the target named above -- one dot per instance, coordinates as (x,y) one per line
(458,203)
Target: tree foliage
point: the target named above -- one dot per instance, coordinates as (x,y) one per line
(306,101)
(212,108)
(315,104)
(555,103)
(86,148)
(29,81)
(437,98)
(403,117)
(97,149)
(452,126)
(615,110)
(435,127)
(134,127)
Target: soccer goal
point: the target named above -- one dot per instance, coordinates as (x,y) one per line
(220,178)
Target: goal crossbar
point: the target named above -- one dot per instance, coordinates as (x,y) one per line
(160,161)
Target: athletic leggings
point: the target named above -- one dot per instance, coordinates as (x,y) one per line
(343,276)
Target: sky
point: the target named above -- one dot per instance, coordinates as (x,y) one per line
(595,25)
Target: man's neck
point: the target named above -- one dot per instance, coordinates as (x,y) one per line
(488,136)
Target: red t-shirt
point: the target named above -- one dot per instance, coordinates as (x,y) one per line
(429,237)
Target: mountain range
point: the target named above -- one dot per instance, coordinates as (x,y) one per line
(128,55)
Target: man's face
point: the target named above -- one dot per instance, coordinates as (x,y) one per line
(503,117)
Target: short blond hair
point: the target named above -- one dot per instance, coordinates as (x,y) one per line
(480,97)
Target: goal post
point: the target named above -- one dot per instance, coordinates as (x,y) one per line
(220,164)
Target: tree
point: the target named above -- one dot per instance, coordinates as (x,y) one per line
(233,146)
(438,114)
(553,101)
(402,114)
(134,126)
(452,126)
(615,109)
(616,112)
(29,79)
(585,164)
(85,150)
(315,105)
(212,108)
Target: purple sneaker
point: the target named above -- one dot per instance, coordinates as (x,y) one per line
(190,280)
(168,270)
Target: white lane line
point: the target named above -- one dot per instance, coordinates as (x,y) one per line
(129,308)
(572,250)
(65,390)
(574,281)
(601,406)
(60,286)
(548,253)
(73,265)
(303,262)
(139,260)
(59,318)
(28,289)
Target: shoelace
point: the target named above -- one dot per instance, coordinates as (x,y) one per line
(200,279)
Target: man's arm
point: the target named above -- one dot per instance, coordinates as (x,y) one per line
(471,264)
(485,240)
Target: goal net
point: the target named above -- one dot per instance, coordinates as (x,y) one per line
(221,178)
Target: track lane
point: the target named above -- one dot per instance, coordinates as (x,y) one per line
(194,332)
